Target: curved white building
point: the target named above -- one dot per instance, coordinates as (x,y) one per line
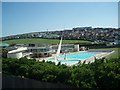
(15,55)
(18,53)
(29,49)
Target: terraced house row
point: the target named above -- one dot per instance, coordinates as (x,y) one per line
(85,33)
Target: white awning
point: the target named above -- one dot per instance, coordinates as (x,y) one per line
(18,50)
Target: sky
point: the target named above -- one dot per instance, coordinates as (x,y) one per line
(26,17)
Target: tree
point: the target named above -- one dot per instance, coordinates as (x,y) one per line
(4,53)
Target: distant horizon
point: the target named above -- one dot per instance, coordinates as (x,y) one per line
(57,30)
(26,17)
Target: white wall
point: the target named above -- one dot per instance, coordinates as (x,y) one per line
(76,47)
(15,55)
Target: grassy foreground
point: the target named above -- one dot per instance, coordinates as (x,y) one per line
(44,41)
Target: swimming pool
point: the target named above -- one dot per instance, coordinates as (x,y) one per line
(74,58)
(64,47)
(84,55)
(4,44)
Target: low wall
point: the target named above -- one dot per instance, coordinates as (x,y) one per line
(9,81)
(100,46)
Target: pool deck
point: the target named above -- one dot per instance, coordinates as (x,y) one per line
(91,59)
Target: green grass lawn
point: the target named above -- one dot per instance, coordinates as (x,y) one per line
(44,41)
(116,54)
(56,41)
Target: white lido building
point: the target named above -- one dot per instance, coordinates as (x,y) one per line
(18,53)
(29,49)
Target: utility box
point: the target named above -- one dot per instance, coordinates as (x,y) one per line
(76,47)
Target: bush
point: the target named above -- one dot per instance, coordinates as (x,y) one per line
(102,73)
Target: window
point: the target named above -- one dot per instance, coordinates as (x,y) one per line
(45,53)
(32,45)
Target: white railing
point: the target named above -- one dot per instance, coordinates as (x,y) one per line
(107,54)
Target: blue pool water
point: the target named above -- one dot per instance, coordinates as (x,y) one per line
(82,56)
(68,47)
(65,47)
(4,44)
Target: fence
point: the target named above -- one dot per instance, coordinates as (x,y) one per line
(101,46)
(9,81)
